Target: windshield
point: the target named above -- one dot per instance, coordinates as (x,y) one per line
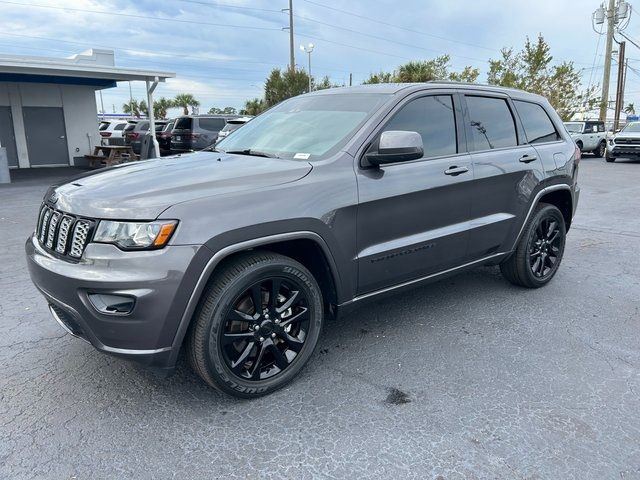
(632,127)
(306,127)
(573,127)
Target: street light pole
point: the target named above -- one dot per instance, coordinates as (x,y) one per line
(308,49)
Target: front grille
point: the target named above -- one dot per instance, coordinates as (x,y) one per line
(63,234)
(627,141)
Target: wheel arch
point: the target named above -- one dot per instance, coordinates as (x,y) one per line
(558,195)
(562,199)
(306,247)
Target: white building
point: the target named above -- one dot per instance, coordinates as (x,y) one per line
(48,113)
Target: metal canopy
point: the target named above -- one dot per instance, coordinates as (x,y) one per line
(95,67)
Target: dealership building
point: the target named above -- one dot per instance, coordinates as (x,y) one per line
(48,112)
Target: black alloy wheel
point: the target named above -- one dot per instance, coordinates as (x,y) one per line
(601,150)
(257,324)
(539,250)
(265,329)
(545,247)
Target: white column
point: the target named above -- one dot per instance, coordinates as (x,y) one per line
(152,121)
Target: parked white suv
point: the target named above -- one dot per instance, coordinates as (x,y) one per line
(590,136)
(112,129)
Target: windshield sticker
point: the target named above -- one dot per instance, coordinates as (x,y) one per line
(302,156)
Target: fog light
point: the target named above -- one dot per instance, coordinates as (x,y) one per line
(112,304)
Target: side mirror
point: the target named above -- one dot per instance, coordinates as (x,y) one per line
(396,146)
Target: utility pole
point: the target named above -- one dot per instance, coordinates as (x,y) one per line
(617,16)
(620,86)
(611,20)
(350,79)
(292,56)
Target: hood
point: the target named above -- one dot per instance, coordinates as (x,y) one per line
(627,135)
(143,190)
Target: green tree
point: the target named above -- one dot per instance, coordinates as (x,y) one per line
(630,109)
(135,108)
(425,71)
(185,100)
(531,70)
(324,84)
(161,106)
(253,107)
(282,85)
(222,111)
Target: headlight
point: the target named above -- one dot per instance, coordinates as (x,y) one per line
(135,235)
(611,141)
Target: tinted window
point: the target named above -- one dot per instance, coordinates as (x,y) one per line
(491,123)
(537,124)
(433,118)
(601,127)
(129,127)
(119,126)
(160,126)
(183,123)
(103,126)
(213,124)
(144,127)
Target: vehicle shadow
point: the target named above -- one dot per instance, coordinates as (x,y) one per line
(435,308)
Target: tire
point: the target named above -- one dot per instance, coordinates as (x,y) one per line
(601,151)
(531,263)
(234,347)
(579,145)
(610,159)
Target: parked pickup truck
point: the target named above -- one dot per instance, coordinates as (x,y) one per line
(590,136)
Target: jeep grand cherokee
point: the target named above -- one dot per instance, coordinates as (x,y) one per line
(321,203)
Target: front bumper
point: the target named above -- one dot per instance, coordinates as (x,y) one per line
(624,151)
(156,280)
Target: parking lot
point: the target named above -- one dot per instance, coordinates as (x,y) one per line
(467,378)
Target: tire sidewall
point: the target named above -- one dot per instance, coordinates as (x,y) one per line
(540,214)
(215,362)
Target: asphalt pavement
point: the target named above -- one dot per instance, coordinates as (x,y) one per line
(469,378)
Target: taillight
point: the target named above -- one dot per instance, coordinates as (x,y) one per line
(133,136)
(578,155)
(194,135)
(105,134)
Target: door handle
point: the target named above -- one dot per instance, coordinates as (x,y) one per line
(454,170)
(528,158)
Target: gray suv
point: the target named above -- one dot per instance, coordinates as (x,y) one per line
(318,205)
(195,132)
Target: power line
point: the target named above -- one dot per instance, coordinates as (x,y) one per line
(226,5)
(143,17)
(381,38)
(399,26)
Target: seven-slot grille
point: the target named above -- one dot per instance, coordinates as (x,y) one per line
(62,233)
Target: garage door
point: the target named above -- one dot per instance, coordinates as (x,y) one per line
(46,136)
(7,137)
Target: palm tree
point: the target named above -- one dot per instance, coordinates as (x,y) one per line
(161,106)
(630,109)
(185,100)
(134,108)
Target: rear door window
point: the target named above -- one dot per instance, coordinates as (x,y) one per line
(184,123)
(119,126)
(434,119)
(212,124)
(537,125)
(491,122)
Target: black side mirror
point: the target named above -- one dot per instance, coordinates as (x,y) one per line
(396,146)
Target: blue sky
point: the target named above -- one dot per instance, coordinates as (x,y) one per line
(223,50)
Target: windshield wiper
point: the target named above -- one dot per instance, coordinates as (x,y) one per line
(254,153)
